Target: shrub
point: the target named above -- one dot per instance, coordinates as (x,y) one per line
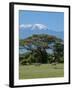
(23,62)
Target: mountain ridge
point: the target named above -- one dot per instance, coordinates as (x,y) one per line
(27,30)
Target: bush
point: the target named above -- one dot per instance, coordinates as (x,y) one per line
(23,62)
(50,58)
(61,60)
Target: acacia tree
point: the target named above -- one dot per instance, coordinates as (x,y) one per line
(38,44)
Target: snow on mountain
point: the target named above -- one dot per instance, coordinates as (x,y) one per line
(34,26)
(27,30)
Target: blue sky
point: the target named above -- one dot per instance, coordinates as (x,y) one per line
(53,20)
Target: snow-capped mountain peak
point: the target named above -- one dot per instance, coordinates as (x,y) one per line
(34,26)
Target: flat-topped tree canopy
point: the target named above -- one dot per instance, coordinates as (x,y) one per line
(42,41)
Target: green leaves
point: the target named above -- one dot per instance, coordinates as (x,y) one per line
(41,40)
(37,45)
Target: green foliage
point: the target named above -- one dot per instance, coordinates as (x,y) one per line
(61,60)
(38,40)
(38,53)
(58,51)
(23,62)
(50,58)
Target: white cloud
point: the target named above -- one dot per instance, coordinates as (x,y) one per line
(34,26)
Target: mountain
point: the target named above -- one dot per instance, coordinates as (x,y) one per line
(29,29)
(57,34)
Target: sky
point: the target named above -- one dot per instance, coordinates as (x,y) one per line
(40,20)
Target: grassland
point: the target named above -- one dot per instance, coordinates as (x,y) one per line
(42,71)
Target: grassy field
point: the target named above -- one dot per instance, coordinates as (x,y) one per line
(42,71)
